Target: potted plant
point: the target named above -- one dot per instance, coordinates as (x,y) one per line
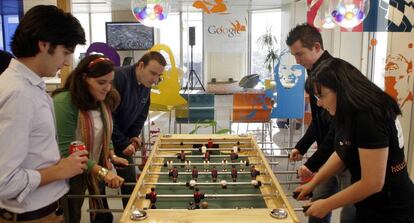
(268,43)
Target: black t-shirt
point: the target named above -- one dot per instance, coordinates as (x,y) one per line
(363,130)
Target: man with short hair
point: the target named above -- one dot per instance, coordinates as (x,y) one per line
(306,45)
(134,85)
(32,175)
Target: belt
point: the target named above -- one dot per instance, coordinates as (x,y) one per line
(28,216)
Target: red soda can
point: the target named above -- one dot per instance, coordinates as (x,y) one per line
(76,146)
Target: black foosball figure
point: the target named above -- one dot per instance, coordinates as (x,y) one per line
(152,196)
(234,156)
(210,143)
(174,174)
(181,156)
(254,173)
(214,174)
(234,174)
(207,156)
(194,173)
(197,198)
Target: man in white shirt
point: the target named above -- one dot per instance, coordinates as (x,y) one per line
(32,175)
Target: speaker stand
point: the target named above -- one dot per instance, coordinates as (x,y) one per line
(190,82)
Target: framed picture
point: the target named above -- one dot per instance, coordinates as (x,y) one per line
(129,36)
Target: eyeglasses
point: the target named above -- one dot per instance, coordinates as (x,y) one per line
(321,96)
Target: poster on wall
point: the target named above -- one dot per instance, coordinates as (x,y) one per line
(288,91)
(398,76)
(368,15)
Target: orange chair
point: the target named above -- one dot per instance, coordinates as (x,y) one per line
(252,107)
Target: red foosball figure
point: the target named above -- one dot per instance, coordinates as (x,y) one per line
(234,174)
(152,196)
(197,198)
(233,156)
(194,173)
(210,143)
(174,174)
(207,156)
(254,173)
(181,156)
(214,174)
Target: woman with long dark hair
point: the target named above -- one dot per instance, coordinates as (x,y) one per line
(83,113)
(367,138)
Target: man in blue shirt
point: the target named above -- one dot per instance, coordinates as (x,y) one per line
(134,85)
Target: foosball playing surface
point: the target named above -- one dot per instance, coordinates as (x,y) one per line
(207,178)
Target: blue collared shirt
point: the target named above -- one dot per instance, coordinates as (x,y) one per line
(27,141)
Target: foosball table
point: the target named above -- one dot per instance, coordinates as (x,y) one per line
(207,178)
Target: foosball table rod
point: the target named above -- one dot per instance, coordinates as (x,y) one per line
(203,164)
(203,184)
(210,195)
(222,173)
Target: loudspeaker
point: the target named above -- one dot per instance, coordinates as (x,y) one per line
(191,35)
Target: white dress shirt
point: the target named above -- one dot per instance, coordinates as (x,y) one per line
(27,141)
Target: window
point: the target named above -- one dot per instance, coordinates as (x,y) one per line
(170,35)
(260,22)
(81,49)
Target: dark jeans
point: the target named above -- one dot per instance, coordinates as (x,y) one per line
(130,176)
(78,186)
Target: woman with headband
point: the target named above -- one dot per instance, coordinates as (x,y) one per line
(83,113)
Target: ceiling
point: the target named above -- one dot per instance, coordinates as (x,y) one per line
(96,6)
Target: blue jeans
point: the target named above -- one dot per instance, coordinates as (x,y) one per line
(334,184)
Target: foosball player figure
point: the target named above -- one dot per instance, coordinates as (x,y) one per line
(174,174)
(234,156)
(254,173)
(197,198)
(242,165)
(181,156)
(169,165)
(210,143)
(224,164)
(187,165)
(206,164)
(203,149)
(194,173)
(234,174)
(207,156)
(152,196)
(214,174)
(235,149)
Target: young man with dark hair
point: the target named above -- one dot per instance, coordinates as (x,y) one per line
(134,84)
(32,175)
(306,45)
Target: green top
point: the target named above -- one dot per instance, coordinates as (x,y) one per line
(66,115)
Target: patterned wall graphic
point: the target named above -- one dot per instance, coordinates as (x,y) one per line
(399,78)
(383,15)
(211,7)
(288,93)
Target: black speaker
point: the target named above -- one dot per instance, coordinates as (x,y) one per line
(191,35)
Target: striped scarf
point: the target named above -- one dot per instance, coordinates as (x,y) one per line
(85,122)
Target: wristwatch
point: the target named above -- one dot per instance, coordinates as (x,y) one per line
(102,173)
